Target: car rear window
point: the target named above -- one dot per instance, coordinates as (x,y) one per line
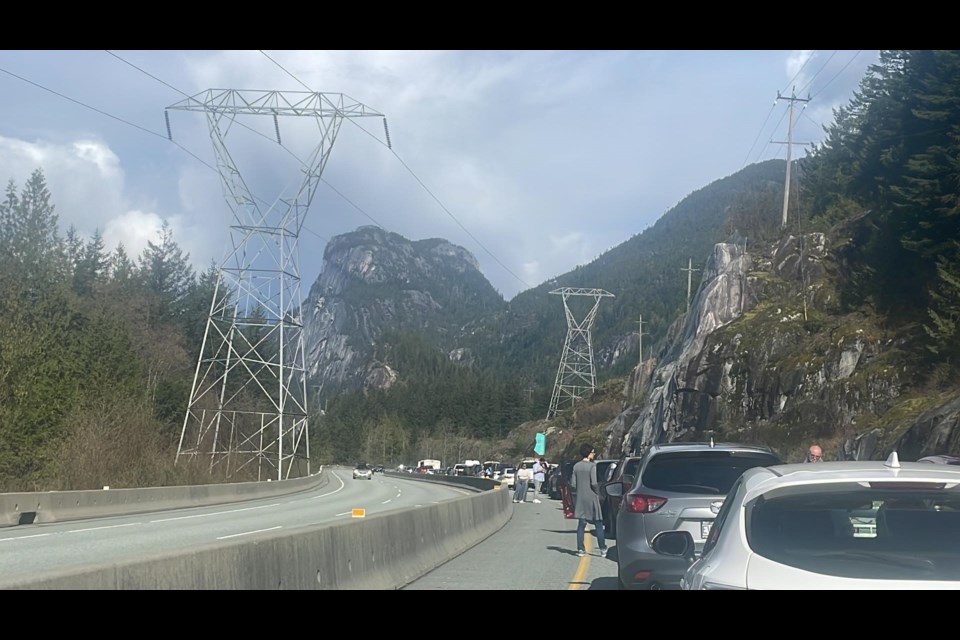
(710,472)
(853,531)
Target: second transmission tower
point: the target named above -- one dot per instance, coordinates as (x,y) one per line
(576,376)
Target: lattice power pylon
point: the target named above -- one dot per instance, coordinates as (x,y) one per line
(248,404)
(576,375)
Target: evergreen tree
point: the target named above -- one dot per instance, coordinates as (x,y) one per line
(167,274)
(91,267)
(122,270)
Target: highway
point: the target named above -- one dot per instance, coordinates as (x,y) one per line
(536,550)
(28,550)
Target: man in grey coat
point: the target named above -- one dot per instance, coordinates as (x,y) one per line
(586,506)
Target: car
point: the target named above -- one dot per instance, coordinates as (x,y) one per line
(559,479)
(509,477)
(837,525)
(363,471)
(679,486)
(624,475)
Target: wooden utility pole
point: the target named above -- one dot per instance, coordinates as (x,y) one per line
(786,188)
(689,271)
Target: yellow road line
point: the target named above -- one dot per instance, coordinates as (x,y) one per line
(578,582)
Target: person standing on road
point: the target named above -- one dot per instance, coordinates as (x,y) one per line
(539,468)
(586,507)
(524,474)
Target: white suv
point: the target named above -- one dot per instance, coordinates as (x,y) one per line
(835,525)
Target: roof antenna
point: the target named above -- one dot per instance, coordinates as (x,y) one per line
(893,461)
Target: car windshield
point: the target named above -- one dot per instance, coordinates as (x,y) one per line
(361,467)
(710,472)
(856,532)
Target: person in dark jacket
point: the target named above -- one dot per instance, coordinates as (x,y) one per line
(586,506)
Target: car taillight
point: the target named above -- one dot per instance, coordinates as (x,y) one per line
(643,504)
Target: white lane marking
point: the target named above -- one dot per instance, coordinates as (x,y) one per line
(112,526)
(386,501)
(218,513)
(247,533)
(345,513)
(342,485)
(36,535)
(418,505)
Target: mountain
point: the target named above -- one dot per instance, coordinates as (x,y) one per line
(373,282)
(644,273)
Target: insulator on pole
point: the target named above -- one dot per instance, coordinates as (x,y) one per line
(166,115)
(386,130)
(276,126)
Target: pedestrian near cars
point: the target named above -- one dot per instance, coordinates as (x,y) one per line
(539,469)
(524,475)
(586,506)
(814,454)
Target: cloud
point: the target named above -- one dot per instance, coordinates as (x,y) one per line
(83,176)
(531,271)
(134,229)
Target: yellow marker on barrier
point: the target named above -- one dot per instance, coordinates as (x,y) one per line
(359,513)
(498,486)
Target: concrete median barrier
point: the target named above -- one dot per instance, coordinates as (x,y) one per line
(385,551)
(60,506)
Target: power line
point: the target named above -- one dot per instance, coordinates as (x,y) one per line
(797,74)
(83,104)
(769,113)
(285,71)
(417,178)
(837,74)
(110,115)
(822,67)
(775,127)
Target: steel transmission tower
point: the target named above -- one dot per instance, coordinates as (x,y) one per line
(576,375)
(248,403)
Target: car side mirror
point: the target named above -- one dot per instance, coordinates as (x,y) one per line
(614,489)
(678,544)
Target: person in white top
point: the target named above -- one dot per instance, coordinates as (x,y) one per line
(524,476)
(539,469)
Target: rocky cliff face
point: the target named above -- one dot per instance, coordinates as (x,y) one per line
(375,281)
(763,357)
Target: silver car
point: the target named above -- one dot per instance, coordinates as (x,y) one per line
(837,525)
(680,486)
(363,471)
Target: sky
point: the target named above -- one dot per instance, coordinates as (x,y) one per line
(534,161)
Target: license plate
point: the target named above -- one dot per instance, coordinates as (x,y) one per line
(705,528)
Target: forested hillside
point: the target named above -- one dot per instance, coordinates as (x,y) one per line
(97,350)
